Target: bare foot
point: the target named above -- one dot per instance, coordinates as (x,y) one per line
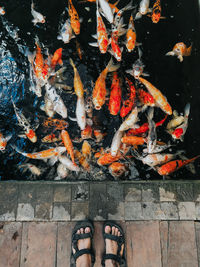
(85,259)
(112,246)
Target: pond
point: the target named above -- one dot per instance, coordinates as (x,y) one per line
(21,97)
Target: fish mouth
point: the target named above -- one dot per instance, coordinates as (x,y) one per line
(97,107)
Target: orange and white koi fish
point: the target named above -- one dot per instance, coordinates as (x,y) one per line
(78,85)
(175,121)
(146,99)
(74,18)
(129,103)
(174,165)
(32,168)
(159,98)
(130,35)
(68,144)
(107,158)
(179,132)
(2,11)
(86,149)
(143,9)
(99,91)
(68,163)
(130,120)
(57,58)
(116,50)
(115,95)
(66,32)
(51,138)
(98,135)
(82,160)
(180,50)
(38,17)
(45,154)
(87,132)
(3,141)
(23,122)
(118,169)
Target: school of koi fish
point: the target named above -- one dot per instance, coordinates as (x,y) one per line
(127,96)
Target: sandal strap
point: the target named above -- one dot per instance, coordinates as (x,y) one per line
(82,236)
(111,257)
(81,252)
(118,239)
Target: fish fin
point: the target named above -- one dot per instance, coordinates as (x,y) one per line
(188,51)
(138,44)
(87,8)
(52,160)
(111,67)
(162,17)
(72,63)
(180,57)
(145,74)
(94,36)
(72,119)
(190,166)
(94,44)
(138,16)
(170,53)
(60,62)
(187,110)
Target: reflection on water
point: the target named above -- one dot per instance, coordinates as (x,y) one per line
(25,103)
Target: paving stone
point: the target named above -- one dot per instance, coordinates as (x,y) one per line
(43,212)
(62,193)
(80,192)
(80,211)
(152,211)
(61,212)
(8,193)
(197,192)
(143,244)
(27,193)
(166,195)
(25,212)
(115,210)
(44,193)
(97,206)
(197,231)
(115,192)
(187,211)
(133,211)
(10,244)
(150,192)
(197,209)
(164,243)
(64,244)
(8,211)
(181,245)
(38,244)
(184,192)
(132,192)
(170,210)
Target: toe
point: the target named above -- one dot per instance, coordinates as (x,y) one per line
(82,230)
(116,231)
(87,229)
(113,230)
(107,229)
(78,232)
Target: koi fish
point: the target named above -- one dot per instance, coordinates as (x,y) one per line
(145,127)
(86,149)
(32,168)
(74,18)
(106,10)
(55,123)
(57,58)
(87,132)
(130,35)
(82,160)
(180,50)
(115,95)
(2,11)
(159,148)
(99,91)
(130,120)
(50,138)
(107,158)
(48,107)
(38,17)
(3,141)
(89,106)
(175,121)
(66,32)
(159,98)
(78,85)
(68,144)
(68,163)
(152,135)
(146,99)
(118,169)
(116,50)
(129,103)
(99,135)
(174,165)
(116,141)
(143,9)
(23,122)
(62,172)
(156,13)
(133,140)
(180,131)
(45,154)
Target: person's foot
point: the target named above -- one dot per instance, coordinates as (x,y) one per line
(85,243)
(112,246)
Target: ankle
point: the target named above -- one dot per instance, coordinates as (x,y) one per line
(111,263)
(84,261)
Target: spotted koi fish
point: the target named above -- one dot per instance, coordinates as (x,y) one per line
(74,18)
(180,50)
(115,95)
(129,103)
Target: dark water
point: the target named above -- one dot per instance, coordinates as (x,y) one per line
(179,82)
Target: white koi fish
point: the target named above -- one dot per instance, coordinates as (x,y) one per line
(80,113)
(152,135)
(62,172)
(106,10)
(68,163)
(116,141)
(130,120)
(66,32)
(38,17)
(32,168)
(143,9)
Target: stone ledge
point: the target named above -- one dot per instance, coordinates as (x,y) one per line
(124,200)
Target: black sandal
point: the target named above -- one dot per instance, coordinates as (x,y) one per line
(76,237)
(120,241)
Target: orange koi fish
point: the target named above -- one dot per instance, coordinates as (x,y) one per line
(50,138)
(45,154)
(2,11)
(156,13)
(174,165)
(159,98)
(116,50)
(99,91)
(87,132)
(82,160)
(107,158)
(117,169)
(68,144)
(180,50)
(99,135)
(130,36)
(74,18)
(86,149)
(145,98)
(57,58)
(129,103)
(145,127)
(38,63)
(133,140)
(78,85)
(115,95)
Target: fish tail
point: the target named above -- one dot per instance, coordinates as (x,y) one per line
(32,5)
(187,110)
(111,67)
(150,114)
(188,51)
(72,63)
(18,150)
